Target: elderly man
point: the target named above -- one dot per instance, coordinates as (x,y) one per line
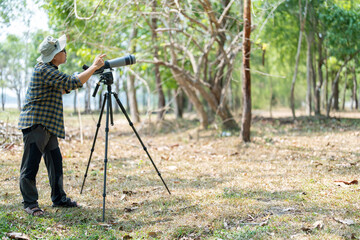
(41,121)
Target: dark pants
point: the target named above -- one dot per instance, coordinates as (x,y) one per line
(39,142)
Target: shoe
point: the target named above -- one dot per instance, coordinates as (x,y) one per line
(67,204)
(35,211)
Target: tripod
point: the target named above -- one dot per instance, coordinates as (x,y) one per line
(107,78)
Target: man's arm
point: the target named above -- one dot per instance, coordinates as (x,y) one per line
(98,63)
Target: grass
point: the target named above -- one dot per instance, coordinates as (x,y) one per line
(276,187)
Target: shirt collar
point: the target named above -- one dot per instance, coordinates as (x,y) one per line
(53,65)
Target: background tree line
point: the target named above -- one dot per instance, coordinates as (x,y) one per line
(189,53)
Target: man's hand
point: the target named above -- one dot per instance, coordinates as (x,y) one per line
(99,61)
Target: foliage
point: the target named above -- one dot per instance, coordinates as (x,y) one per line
(10,9)
(342,30)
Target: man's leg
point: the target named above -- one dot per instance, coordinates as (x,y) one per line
(34,140)
(53,162)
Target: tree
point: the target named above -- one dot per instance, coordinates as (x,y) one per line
(246,116)
(342,36)
(14,70)
(302,24)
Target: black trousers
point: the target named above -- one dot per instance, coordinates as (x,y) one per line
(38,142)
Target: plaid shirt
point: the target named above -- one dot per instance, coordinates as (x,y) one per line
(43,102)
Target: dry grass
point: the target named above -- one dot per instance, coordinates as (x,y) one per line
(279,186)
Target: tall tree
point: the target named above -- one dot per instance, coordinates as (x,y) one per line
(134,111)
(159,88)
(302,26)
(246,116)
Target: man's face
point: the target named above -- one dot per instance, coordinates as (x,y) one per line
(60,57)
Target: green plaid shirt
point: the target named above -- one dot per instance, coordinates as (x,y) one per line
(43,102)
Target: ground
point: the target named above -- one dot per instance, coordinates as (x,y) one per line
(294,180)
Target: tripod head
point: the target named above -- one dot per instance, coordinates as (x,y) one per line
(105,78)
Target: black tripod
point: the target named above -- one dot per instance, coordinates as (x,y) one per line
(107,78)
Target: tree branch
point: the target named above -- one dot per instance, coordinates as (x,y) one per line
(86,18)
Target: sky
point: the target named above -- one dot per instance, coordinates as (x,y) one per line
(38,21)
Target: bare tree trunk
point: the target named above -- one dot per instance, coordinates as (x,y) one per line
(117,80)
(246,116)
(334,89)
(75,102)
(336,95)
(344,93)
(3,98)
(18,97)
(320,82)
(160,92)
(87,96)
(179,103)
(355,96)
(309,73)
(326,89)
(302,25)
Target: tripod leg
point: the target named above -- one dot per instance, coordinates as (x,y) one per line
(107,96)
(93,145)
(111,110)
(141,142)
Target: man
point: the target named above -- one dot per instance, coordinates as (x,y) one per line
(41,121)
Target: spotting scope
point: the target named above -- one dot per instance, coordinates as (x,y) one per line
(114,63)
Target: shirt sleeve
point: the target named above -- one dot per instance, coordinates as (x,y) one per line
(59,80)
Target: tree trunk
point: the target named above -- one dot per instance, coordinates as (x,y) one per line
(160,92)
(344,93)
(3,98)
(336,82)
(317,100)
(297,58)
(178,103)
(246,116)
(204,121)
(355,96)
(87,97)
(134,111)
(336,95)
(309,73)
(117,80)
(326,88)
(18,97)
(130,82)
(75,102)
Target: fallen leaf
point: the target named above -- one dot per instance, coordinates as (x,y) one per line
(152,234)
(175,145)
(123,196)
(14,235)
(345,221)
(130,209)
(353,182)
(318,225)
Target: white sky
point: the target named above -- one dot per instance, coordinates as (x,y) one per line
(39,20)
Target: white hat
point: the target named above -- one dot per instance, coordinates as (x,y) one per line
(50,47)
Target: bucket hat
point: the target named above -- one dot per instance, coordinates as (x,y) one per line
(50,47)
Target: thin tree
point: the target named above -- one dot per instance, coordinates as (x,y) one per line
(246,116)
(302,25)
(159,89)
(134,111)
